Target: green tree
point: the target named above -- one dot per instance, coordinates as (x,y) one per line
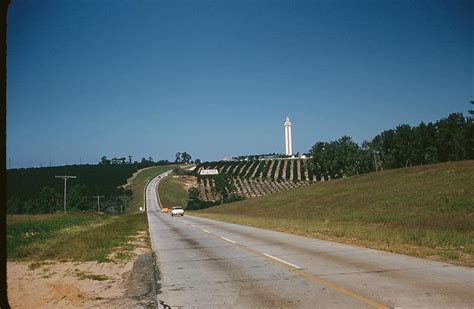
(348,156)
(470,135)
(104,160)
(79,198)
(223,186)
(404,149)
(49,201)
(15,206)
(185,158)
(336,158)
(194,202)
(178,157)
(193,193)
(320,160)
(451,137)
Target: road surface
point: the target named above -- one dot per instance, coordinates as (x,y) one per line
(209,264)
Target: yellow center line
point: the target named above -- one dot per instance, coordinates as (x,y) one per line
(303,273)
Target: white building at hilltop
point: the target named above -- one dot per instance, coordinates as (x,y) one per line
(288,144)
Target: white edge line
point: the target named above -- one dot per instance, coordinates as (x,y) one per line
(206,231)
(282,261)
(193,225)
(229,240)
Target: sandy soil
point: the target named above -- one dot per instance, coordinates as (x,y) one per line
(53,284)
(187,181)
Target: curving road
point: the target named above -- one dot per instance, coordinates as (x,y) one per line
(209,264)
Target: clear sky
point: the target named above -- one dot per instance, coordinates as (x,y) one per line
(216,78)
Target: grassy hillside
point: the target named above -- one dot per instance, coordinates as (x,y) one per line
(139,181)
(172,192)
(425,211)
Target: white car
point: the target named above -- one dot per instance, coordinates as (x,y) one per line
(177,211)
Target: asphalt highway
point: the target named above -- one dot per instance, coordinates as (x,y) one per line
(209,264)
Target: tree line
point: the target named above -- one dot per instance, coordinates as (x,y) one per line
(448,139)
(79,198)
(36,190)
(128,161)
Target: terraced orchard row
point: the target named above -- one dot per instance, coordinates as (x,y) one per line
(258,177)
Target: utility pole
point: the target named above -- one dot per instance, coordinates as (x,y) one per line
(124,200)
(375,152)
(98,201)
(65,177)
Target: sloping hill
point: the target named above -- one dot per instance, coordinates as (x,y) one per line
(425,211)
(255,178)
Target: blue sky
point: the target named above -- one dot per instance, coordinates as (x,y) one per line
(216,78)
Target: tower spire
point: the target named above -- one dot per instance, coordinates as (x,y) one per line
(288,142)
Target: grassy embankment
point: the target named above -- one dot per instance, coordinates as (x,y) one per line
(172,192)
(425,211)
(73,236)
(80,236)
(139,182)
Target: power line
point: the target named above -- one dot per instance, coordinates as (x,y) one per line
(65,177)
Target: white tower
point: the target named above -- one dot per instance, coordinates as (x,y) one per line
(288,145)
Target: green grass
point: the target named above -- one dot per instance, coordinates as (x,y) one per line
(78,237)
(24,230)
(139,182)
(82,275)
(172,192)
(425,211)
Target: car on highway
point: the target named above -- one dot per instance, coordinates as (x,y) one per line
(177,211)
(165,210)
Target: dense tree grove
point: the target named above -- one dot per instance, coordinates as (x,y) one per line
(448,139)
(183,158)
(36,190)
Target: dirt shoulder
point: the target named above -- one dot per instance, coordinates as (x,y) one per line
(48,284)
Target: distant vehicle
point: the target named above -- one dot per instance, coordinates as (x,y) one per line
(177,211)
(165,210)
